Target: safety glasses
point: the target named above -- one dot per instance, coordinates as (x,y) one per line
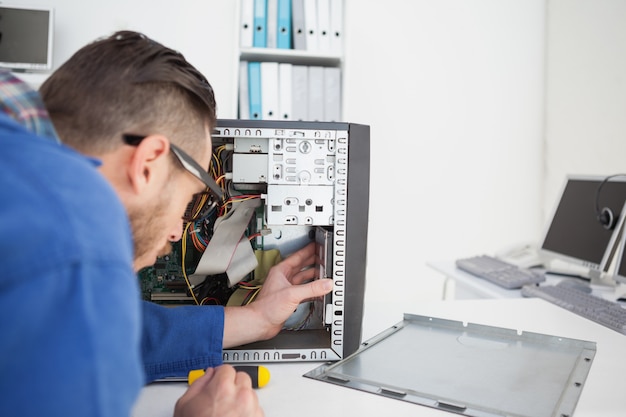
(190,165)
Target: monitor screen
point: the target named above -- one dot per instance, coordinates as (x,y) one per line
(26,37)
(574,234)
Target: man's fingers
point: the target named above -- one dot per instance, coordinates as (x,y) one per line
(313,289)
(196,388)
(220,391)
(303,276)
(202,381)
(301,258)
(243,379)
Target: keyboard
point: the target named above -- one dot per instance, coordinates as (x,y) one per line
(605,312)
(499,272)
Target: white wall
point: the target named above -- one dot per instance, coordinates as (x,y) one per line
(586,91)
(202,30)
(452,89)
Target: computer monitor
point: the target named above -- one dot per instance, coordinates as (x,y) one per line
(576,234)
(26,35)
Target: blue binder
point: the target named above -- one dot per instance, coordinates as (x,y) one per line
(254,89)
(259,38)
(283,36)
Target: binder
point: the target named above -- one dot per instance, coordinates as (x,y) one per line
(259,38)
(299,92)
(336,27)
(316,94)
(283,35)
(332,94)
(247,23)
(323,26)
(284,90)
(269,90)
(297,25)
(310,25)
(254,90)
(272,23)
(244,93)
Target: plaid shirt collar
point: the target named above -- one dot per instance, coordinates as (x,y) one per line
(23,104)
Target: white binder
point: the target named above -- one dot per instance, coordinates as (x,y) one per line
(298,27)
(272,23)
(332,94)
(299,92)
(284,91)
(310,25)
(269,90)
(247,23)
(336,27)
(323,26)
(316,93)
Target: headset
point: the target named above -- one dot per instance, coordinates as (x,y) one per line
(605,215)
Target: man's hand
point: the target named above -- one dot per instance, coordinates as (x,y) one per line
(220,392)
(286,286)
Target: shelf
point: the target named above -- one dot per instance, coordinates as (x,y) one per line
(299,84)
(292,56)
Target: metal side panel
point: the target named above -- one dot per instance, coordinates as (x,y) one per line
(473,370)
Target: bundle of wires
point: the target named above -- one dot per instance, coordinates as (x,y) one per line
(199,230)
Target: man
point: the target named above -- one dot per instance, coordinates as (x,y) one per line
(140,108)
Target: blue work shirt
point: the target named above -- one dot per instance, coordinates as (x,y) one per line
(174,341)
(74,342)
(178,339)
(71,317)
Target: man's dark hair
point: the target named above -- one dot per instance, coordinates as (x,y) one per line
(128,83)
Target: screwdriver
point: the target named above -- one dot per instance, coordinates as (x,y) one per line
(260,375)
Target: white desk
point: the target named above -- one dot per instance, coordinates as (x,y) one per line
(461,285)
(290,394)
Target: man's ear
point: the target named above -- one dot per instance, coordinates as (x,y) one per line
(147,160)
